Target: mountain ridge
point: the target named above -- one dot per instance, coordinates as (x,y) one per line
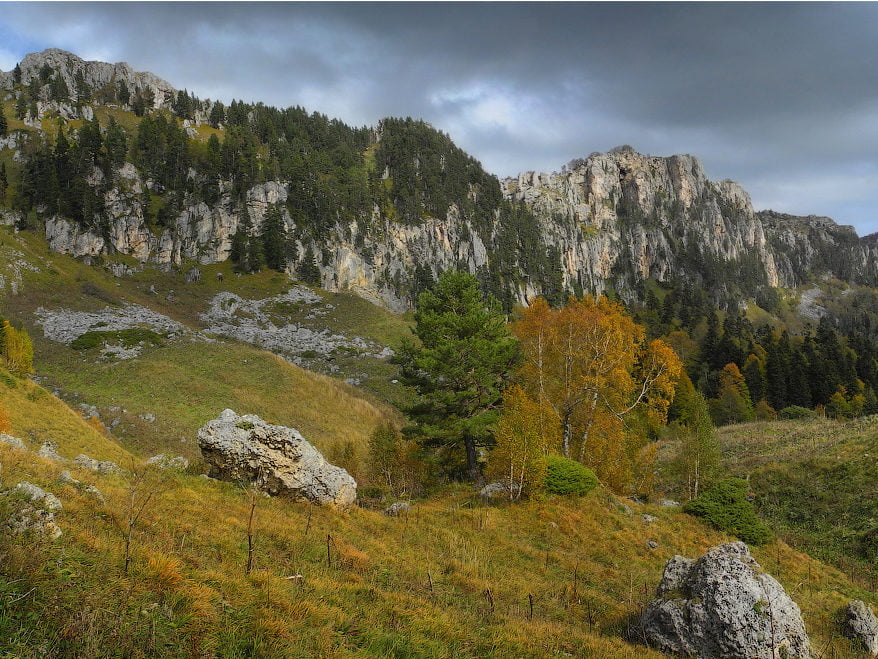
(608,222)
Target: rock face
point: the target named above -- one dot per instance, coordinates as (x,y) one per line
(861,625)
(611,220)
(724,605)
(278,460)
(96,74)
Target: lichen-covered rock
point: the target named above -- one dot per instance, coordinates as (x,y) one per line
(34,511)
(861,625)
(39,496)
(724,605)
(277,459)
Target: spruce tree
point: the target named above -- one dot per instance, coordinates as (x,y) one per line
(308,271)
(16,75)
(274,239)
(4,125)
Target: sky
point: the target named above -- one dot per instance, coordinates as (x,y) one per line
(781,97)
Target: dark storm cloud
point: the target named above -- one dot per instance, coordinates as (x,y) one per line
(782,97)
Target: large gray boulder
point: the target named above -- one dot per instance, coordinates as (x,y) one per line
(861,625)
(724,605)
(277,459)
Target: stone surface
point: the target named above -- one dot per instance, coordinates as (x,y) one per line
(168,462)
(49,451)
(648,519)
(97,466)
(276,459)
(12,441)
(39,496)
(495,490)
(724,605)
(397,509)
(861,625)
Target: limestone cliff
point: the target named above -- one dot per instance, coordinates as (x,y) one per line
(608,221)
(97,75)
(614,220)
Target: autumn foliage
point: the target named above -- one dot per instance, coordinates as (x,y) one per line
(606,384)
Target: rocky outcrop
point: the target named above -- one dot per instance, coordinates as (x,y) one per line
(277,459)
(33,511)
(97,75)
(861,625)
(724,605)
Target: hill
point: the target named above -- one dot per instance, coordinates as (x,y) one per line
(451,578)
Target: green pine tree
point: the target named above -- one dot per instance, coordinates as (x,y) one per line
(459,368)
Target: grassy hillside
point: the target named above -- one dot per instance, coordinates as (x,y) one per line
(184,382)
(816,482)
(452,578)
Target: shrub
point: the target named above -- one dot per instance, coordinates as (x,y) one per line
(127,337)
(566,476)
(725,507)
(796,412)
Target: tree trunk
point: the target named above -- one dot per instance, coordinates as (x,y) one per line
(472,464)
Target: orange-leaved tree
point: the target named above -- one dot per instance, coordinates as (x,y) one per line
(593,366)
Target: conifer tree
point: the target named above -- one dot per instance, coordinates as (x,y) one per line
(459,367)
(274,239)
(4,125)
(308,271)
(16,75)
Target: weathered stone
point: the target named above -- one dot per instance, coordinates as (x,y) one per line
(66,477)
(397,509)
(168,462)
(724,605)
(648,519)
(95,492)
(49,451)
(276,459)
(861,625)
(495,490)
(14,442)
(39,496)
(668,503)
(652,544)
(97,466)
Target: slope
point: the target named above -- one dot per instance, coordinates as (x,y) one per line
(452,578)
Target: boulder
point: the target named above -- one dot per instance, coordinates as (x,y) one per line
(398,509)
(277,459)
(495,490)
(14,442)
(724,605)
(861,625)
(34,512)
(97,466)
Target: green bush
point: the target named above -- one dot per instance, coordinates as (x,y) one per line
(796,412)
(127,337)
(725,506)
(566,476)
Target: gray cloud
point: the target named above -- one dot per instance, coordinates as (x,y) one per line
(781,97)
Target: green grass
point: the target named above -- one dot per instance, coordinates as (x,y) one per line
(816,483)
